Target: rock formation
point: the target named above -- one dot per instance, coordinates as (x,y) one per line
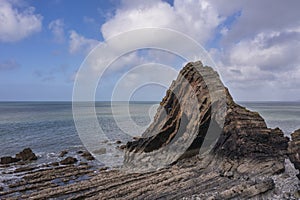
(244,138)
(68,161)
(294,150)
(26,155)
(240,157)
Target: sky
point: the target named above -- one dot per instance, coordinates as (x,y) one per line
(254,43)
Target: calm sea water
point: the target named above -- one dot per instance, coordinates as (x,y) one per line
(48,127)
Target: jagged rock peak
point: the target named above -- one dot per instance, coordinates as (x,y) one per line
(198,112)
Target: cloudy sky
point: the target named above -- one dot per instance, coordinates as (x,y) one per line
(254,43)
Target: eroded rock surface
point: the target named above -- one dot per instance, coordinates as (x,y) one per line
(245,144)
(294,150)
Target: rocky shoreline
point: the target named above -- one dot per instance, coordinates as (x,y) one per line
(248,160)
(187,179)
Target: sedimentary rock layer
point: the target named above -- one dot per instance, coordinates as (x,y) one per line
(294,149)
(192,110)
(247,159)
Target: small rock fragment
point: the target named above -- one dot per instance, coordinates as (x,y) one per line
(63,153)
(68,161)
(55,163)
(88,156)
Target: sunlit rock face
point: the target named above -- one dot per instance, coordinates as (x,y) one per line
(198,112)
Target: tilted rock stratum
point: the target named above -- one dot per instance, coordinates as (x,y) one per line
(189,113)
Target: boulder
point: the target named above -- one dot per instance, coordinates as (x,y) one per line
(88,156)
(26,155)
(68,161)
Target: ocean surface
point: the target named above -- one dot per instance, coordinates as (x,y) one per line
(48,127)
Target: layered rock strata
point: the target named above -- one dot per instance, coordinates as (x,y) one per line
(294,150)
(246,160)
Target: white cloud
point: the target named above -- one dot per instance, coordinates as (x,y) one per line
(79,43)
(258,55)
(261,16)
(198,19)
(17,22)
(57,29)
(257,49)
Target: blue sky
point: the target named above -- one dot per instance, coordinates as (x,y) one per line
(43,43)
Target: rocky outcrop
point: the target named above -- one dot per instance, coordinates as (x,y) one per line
(194,105)
(68,161)
(192,110)
(294,150)
(26,155)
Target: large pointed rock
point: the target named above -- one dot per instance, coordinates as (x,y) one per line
(197,113)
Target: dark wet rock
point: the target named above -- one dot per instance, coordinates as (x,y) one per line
(136,138)
(26,155)
(123,146)
(87,155)
(118,142)
(55,164)
(8,159)
(63,153)
(68,161)
(103,168)
(79,152)
(294,150)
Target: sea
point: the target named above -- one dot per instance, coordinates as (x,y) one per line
(49,128)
